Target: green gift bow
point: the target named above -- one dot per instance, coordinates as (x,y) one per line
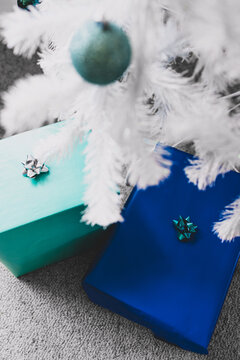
(185,228)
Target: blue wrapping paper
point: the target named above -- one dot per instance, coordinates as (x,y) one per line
(147,275)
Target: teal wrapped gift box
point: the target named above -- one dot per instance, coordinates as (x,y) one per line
(40,218)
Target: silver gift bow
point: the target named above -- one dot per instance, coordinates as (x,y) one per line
(33,167)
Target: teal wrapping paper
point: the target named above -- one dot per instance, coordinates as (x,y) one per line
(40,218)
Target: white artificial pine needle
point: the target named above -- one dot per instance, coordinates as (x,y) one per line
(152,102)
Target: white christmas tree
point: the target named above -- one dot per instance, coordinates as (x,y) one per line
(151,102)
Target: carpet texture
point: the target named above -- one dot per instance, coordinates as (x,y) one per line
(47,316)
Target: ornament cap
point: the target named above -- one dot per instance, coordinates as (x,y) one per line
(104,24)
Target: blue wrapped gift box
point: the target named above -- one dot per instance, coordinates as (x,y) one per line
(40,218)
(147,275)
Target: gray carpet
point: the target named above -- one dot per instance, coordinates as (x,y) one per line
(47,316)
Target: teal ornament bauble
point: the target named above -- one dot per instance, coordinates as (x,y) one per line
(100,52)
(23,4)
